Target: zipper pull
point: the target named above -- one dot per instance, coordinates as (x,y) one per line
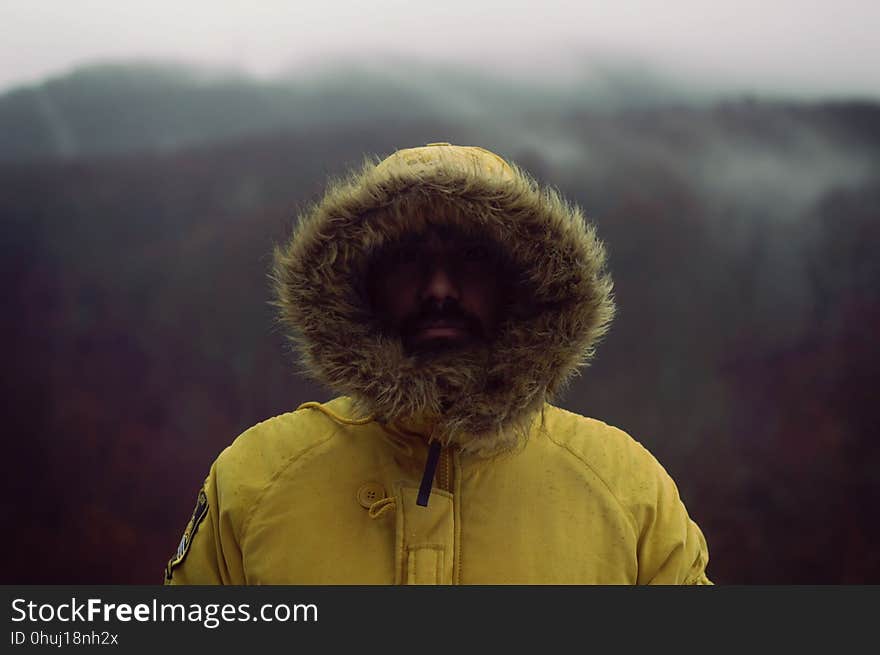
(428,477)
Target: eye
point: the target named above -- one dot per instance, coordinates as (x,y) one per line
(477,253)
(407,255)
(404,256)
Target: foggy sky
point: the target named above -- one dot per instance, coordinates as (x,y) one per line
(785,47)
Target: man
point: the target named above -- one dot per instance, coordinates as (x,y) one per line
(447,299)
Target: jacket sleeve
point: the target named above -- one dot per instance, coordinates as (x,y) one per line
(209,552)
(671,547)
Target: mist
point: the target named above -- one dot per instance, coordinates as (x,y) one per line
(730,162)
(783,49)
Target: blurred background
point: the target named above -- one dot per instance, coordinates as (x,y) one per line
(151,154)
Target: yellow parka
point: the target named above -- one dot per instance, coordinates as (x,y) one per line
(311,497)
(525,492)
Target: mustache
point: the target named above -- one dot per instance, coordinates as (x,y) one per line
(453,315)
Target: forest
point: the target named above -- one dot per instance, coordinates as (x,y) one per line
(138,227)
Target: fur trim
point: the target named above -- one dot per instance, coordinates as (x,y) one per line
(482,398)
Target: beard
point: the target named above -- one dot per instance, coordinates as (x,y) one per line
(434,346)
(450,380)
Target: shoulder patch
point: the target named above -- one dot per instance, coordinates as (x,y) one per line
(201,509)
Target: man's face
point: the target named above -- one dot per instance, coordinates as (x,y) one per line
(438,292)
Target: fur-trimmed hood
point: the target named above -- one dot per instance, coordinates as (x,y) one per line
(484,398)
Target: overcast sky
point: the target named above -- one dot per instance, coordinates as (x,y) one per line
(809,47)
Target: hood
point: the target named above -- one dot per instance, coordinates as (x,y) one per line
(482,398)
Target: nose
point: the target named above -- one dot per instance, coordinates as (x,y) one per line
(439,284)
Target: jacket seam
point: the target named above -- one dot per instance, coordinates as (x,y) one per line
(700,570)
(246,524)
(456,517)
(632,521)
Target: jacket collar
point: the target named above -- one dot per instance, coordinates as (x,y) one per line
(423,427)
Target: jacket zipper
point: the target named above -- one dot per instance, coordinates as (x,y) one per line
(445,478)
(438,464)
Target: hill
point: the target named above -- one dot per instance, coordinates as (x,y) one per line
(741,238)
